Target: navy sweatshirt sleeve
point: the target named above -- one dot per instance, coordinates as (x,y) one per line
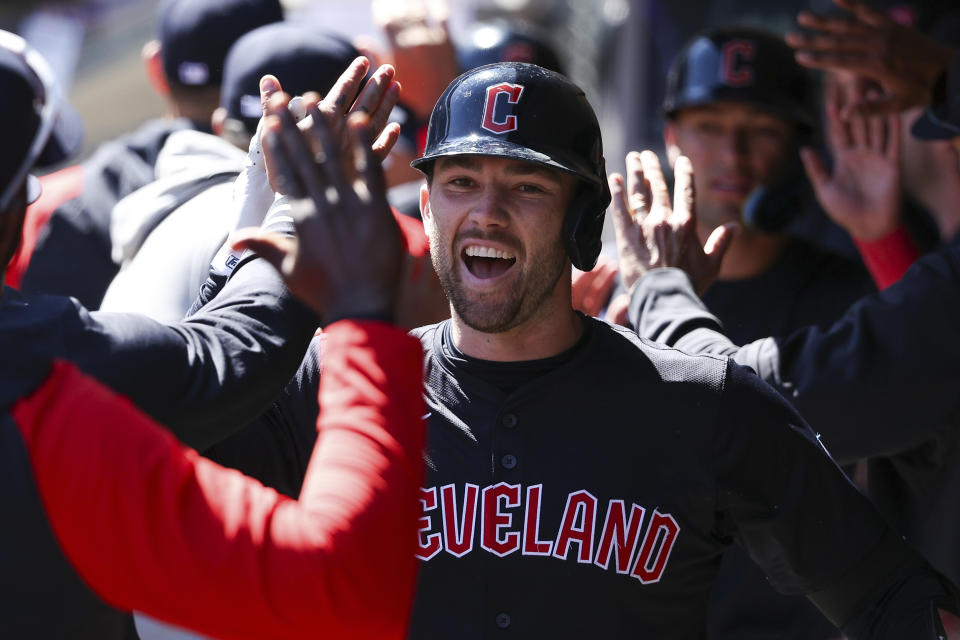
(871,383)
(204,377)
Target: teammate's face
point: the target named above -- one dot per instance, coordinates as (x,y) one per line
(734,148)
(495,237)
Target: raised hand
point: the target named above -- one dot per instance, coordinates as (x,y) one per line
(652,234)
(903,61)
(377,100)
(421,49)
(346,258)
(862,193)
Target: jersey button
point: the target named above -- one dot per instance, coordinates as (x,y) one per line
(503,620)
(509,420)
(509,461)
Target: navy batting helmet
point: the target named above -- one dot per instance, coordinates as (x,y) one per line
(522,111)
(741,64)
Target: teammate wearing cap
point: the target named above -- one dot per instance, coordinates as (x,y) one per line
(740,108)
(880,382)
(581,481)
(67,248)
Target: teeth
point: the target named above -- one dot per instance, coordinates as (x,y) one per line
(488,252)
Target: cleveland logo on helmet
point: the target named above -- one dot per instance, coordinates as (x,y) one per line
(511,93)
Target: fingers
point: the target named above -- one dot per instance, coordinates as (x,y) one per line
(892,151)
(838,130)
(269,85)
(372,96)
(660,196)
(622,215)
(326,150)
(370,183)
(815,169)
(864,12)
(859,131)
(378,119)
(683,199)
(272,247)
(858,63)
(827,24)
(877,127)
(718,243)
(343,92)
(279,164)
(384,143)
(638,190)
(307,180)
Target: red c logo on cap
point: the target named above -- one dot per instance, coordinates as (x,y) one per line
(490,121)
(736,54)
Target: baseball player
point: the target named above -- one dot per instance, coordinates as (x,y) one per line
(739,108)
(881,381)
(68,241)
(100,500)
(581,481)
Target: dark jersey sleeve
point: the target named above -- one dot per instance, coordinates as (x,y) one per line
(871,384)
(781,497)
(204,377)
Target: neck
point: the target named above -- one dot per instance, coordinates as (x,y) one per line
(751,253)
(553,329)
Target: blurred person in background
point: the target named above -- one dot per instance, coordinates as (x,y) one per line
(67,242)
(166,234)
(880,383)
(739,107)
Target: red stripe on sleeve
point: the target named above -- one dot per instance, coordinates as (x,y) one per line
(889,257)
(152,526)
(58,187)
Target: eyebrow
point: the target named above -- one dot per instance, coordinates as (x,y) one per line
(518,168)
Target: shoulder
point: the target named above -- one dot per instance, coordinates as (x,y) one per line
(664,363)
(427,335)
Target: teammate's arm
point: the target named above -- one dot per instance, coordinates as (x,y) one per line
(782,498)
(152,526)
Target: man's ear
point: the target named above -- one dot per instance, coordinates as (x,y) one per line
(670,142)
(217,119)
(425,213)
(153,64)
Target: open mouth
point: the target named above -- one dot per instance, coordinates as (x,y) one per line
(486,263)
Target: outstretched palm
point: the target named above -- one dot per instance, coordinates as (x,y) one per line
(862,194)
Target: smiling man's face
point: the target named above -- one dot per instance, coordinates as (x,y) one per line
(495,237)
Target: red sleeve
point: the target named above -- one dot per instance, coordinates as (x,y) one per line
(58,187)
(152,526)
(889,257)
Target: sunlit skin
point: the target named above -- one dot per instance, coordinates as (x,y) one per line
(734,148)
(517,307)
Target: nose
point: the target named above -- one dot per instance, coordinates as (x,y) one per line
(488,210)
(734,148)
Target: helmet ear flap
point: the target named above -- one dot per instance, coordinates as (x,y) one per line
(581,229)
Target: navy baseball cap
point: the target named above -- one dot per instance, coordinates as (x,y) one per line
(303,59)
(43,129)
(196,34)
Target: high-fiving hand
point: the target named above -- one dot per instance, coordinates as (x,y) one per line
(651,233)
(346,258)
